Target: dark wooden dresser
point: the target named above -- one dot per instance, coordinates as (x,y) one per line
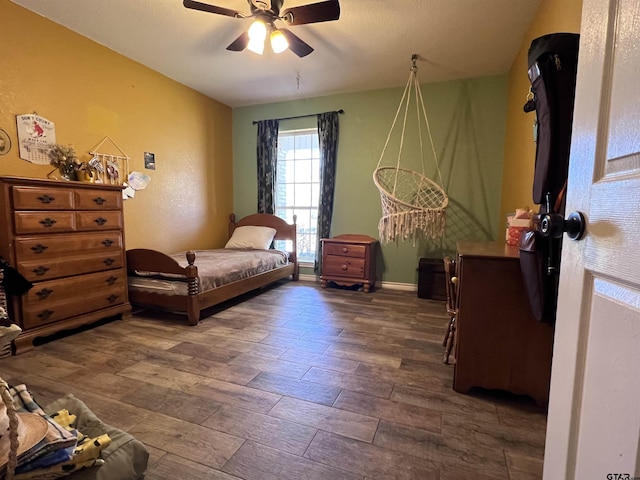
(499,345)
(348,260)
(67,239)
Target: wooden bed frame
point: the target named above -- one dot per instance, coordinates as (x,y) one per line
(141,259)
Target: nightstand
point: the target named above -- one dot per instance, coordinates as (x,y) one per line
(349,260)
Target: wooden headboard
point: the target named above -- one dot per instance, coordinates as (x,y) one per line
(284,230)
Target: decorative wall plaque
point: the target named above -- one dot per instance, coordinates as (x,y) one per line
(5,142)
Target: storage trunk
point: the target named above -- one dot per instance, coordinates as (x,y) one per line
(431,279)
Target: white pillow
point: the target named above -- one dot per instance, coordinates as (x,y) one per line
(252,237)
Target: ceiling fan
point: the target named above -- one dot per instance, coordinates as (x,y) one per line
(265,14)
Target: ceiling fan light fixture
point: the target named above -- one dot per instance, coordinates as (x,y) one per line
(278,41)
(256,46)
(257,34)
(265,13)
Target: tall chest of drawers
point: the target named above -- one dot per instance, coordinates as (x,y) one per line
(67,239)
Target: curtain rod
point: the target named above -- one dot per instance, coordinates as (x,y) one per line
(301,116)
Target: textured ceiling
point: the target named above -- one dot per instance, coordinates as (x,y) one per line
(369,47)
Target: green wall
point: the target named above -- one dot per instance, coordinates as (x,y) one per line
(467,119)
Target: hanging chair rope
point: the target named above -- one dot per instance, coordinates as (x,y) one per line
(412,204)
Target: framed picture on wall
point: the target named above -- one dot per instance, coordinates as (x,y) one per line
(149,160)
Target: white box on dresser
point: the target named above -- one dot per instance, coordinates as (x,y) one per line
(67,238)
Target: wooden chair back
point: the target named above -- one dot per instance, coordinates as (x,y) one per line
(451,285)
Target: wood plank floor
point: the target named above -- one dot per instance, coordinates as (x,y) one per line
(298,382)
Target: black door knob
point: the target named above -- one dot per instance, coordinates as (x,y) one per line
(553,225)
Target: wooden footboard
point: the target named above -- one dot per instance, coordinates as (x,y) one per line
(152,261)
(145,260)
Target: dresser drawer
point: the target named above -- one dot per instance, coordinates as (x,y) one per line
(102,200)
(59,267)
(98,220)
(69,288)
(343,266)
(344,249)
(38,314)
(36,198)
(49,246)
(43,222)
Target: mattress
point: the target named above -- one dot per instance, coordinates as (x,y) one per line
(215,268)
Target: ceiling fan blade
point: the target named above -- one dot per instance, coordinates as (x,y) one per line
(312,13)
(240,43)
(205,7)
(296,45)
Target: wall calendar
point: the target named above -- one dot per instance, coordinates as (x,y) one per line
(36,135)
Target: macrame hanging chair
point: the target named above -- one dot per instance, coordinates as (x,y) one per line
(413,205)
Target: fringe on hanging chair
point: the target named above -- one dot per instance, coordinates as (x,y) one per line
(412,224)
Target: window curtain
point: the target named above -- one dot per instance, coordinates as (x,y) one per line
(328,139)
(267,156)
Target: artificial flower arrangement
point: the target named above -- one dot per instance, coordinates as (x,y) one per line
(66,161)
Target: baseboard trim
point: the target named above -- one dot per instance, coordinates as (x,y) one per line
(308,277)
(407,287)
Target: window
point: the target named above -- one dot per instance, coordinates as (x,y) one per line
(298,186)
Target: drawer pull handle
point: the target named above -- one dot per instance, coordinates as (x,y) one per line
(108,261)
(99,201)
(46,198)
(107,243)
(45,314)
(112,298)
(345,249)
(40,270)
(48,222)
(44,293)
(111,280)
(344,266)
(100,221)
(39,248)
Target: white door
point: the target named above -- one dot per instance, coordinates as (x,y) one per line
(593,427)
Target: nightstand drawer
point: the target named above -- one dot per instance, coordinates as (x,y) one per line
(343,266)
(345,250)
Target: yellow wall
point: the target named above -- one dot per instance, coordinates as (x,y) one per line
(90,92)
(519,151)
